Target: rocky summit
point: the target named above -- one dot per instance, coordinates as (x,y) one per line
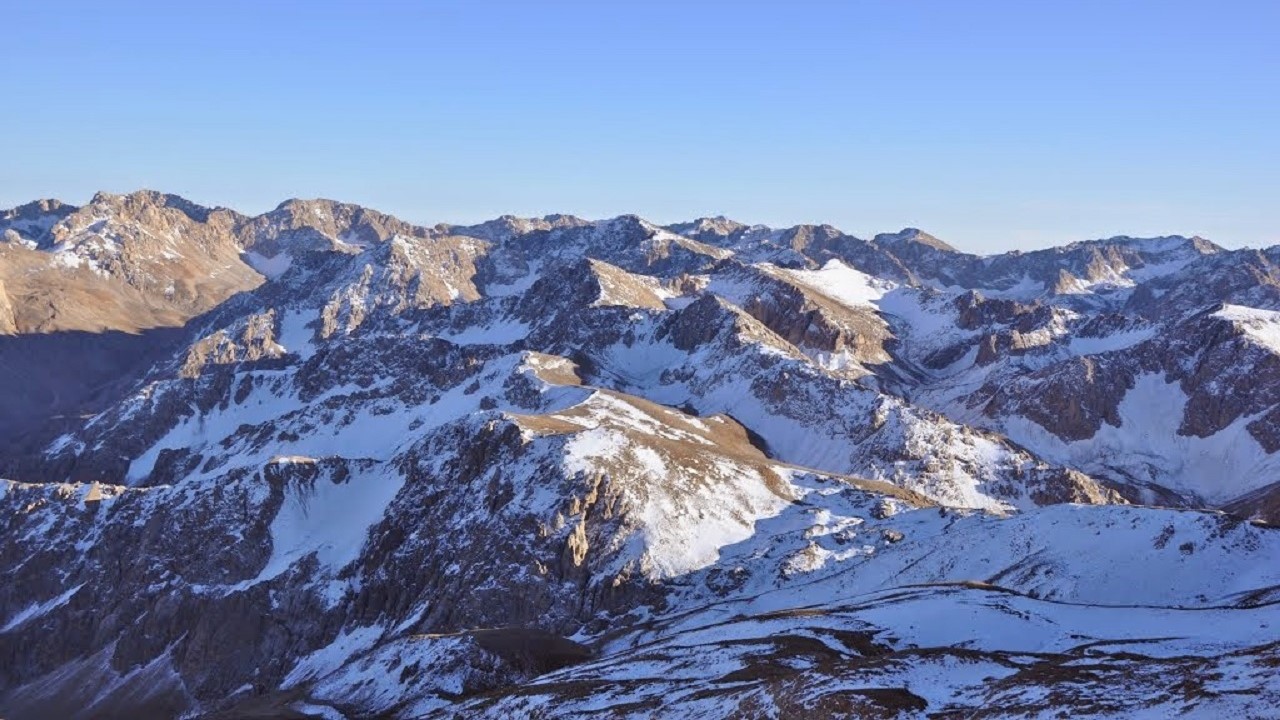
(326,463)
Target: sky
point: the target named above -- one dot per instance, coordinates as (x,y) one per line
(993,125)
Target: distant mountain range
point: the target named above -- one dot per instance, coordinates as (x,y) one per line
(325,463)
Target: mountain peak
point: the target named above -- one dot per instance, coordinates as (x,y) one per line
(38,207)
(718,225)
(1158,244)
(301,205)
(911,236)
(142,199)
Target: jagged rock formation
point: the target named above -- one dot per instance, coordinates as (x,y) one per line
(325,462)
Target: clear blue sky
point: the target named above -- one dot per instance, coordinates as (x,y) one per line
(994,125)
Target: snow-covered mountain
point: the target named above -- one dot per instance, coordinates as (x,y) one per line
(323,462)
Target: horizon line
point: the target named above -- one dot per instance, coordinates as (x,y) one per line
(1121,237)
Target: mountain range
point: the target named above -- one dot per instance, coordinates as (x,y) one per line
(322,462)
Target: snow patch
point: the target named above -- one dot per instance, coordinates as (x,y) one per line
(271,267)
(35,610)
(1262,327)
(294,334)
(1146,446)
(500,332)
(843,284)
(1109,343)
(327,518)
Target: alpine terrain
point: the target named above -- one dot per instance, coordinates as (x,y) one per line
(325,463)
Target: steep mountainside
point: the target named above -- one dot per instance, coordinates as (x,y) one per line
(325,463)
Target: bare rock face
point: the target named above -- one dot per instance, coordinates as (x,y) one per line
(1233,375)
(1261,505)
(1241,277)
(811,320)
(298,226)
(822,243)
(30,224)
(8,321)
(122,262)
(1071,400)
(976,311)
(254,340)
(160,245)
(324,461)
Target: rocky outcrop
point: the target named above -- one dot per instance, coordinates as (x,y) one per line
(30,224)
(1071,400)
(253,340)
(811,320)
(1261,505)
(8,322)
